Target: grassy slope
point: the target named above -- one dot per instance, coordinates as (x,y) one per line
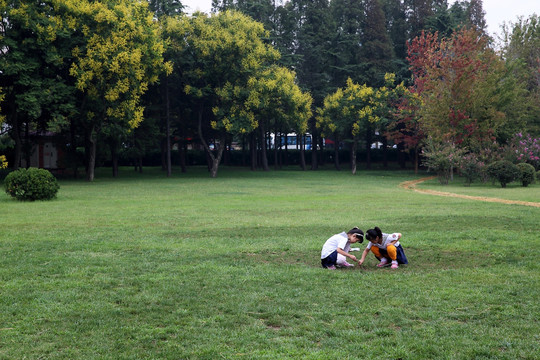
(193,267)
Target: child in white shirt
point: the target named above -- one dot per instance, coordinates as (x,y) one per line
(335,250)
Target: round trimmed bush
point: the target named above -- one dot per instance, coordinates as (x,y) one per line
(504,171)
(31,184)
(527,173)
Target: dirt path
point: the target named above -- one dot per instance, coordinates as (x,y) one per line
(411,185)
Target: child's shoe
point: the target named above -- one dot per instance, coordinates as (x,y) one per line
(383,263)
(345,265)
(331,267)
(394,265)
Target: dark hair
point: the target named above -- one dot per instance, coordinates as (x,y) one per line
(359,234)
(372,234)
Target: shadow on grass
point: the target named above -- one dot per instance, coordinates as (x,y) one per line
(420,260)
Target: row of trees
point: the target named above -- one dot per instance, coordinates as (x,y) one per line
(125,76)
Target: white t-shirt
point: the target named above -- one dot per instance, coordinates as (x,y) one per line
(337,241)
(386,238)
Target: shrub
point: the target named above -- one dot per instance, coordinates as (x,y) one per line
(442,158)
(503,171)
(471,168)
(31,184)
(527,173)
(524,148)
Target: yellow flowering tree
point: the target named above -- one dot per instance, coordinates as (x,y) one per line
(278,103)
(119,55)
(217,55)
(348,111)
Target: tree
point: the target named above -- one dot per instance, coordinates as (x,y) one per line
(405,129)
(34,53)
(377,49)
(521,50)
(348,111)
(278,103)
(345,57)
(218,55)
(120,55)
(460,81)
(165,7)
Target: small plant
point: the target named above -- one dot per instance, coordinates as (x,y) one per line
(442,158)
(524,148)
(527,173)
(471,168)
(503,171)
(31,184)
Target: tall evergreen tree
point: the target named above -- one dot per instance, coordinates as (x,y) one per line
(165,7)
(376,45)
(345,57)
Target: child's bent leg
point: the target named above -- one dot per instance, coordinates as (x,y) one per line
(392,252)
(375,250)
(342,261)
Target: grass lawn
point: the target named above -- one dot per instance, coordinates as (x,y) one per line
(190,267)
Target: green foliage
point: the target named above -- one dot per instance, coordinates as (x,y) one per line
(471,168)
(521,49)
(442,158)
(459,79)
(31,184)
(503,171)
(526,173)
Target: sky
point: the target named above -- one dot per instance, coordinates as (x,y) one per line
(497,11)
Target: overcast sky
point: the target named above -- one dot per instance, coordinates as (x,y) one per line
(497,11)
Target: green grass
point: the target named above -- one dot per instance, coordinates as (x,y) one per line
(513,191)
(189,267)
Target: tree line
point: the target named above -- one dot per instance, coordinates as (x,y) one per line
(130,76)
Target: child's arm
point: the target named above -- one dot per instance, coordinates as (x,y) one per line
(397,237)
(364,254)
(346,254)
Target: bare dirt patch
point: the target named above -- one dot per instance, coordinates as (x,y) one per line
(411,185)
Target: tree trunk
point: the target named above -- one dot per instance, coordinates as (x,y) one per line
(140,164)
(182,154)
(368,148)
(91,155)
(277,142)
(168,127)
(215,160)
(264,157)
(314,160)
(401,155)
(322,160)
(244,146)
(302,152)
(385,151)
(416,160)
(336,153)
(27,145)
(253,151)
(353,156)
(18,142)
(73,148)
(114,158)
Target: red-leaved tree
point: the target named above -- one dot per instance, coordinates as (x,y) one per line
(459,80)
